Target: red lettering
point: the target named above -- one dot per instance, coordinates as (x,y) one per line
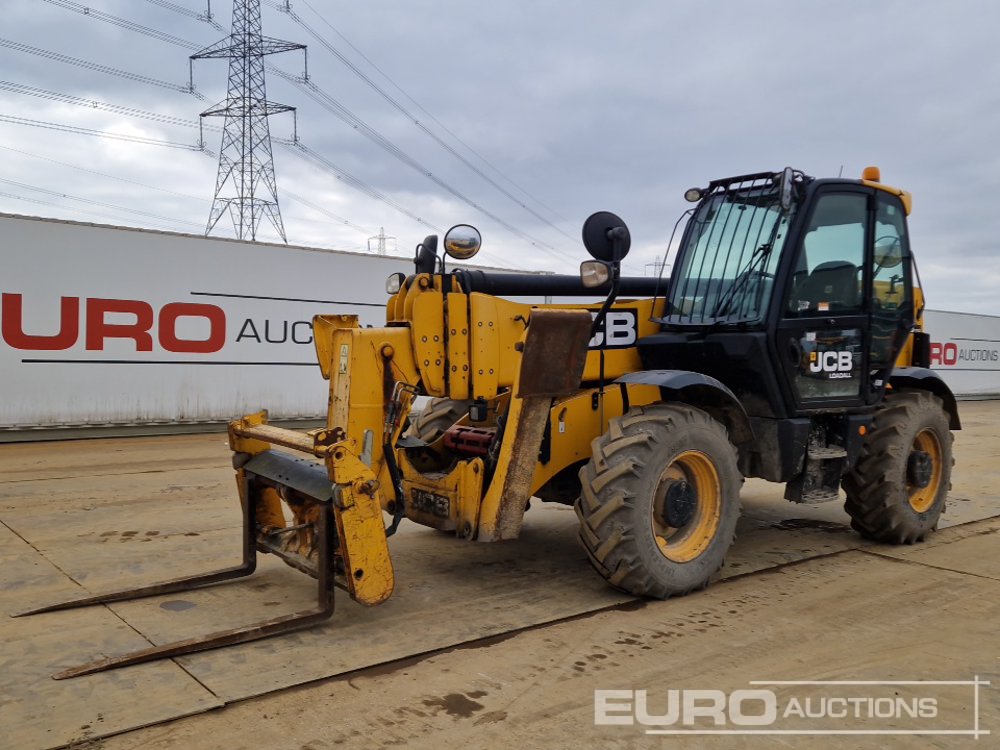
(12,326)
(168,327)
(950,354)
(935,354)
(98,329)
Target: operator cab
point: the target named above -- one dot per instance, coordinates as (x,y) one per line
(795,293)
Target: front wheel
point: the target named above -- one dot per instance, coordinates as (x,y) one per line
(897,491)
(660,500)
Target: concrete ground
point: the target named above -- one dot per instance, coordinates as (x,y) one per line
(488,645)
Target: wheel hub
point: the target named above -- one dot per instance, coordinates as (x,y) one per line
(679,503)
(919,469)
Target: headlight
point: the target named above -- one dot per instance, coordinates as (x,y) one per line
(394,283)
(594,273)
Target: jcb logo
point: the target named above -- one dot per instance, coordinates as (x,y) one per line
(831,362)
(620,330)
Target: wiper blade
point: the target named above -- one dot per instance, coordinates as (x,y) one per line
(760,255)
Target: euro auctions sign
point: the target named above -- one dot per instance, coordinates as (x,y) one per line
(103,320)
(801,707)
(965,351)
(176,327)
(86,311)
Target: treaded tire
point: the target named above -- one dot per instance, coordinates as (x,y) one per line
(436,417)
(878,496)
(619,490)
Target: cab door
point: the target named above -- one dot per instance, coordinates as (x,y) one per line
(823,335)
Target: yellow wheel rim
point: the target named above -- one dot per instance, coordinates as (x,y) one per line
(922,498)
(689,539)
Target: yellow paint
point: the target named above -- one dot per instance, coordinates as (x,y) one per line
(904,196)
(462,486)
(457,334)
(922,498)
(360,528)
(240,444)
(428,340)
(575,423)
(686,543)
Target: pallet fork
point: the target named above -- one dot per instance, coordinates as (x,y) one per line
(272,467)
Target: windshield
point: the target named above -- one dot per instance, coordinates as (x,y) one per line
(729,256)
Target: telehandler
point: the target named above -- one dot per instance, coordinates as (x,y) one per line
(787,344)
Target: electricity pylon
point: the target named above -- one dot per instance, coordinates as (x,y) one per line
(246,186)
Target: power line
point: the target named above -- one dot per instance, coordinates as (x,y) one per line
(321,97)
(340,220)
(94,104)
(88,65)
(89,212)
(341,112)
(122,23)
(430,116)
(97,133)
(354,182)
(286,9)
(92,202)
(96,172)
(207,16)
(320,209)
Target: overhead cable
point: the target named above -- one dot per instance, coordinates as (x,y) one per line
(395,104)
(88,65)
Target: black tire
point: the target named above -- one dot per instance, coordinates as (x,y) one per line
(623,506)
(436,417)
(884,498)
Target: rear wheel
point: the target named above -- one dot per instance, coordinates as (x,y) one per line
(660,500)
(897,491)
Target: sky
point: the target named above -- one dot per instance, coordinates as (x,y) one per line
(548,111)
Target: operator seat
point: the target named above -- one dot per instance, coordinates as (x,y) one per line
(834,282)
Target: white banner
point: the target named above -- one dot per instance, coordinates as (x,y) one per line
(102,325)
(965,350)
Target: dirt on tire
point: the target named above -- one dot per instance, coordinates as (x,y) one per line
(617,497)
(877,497)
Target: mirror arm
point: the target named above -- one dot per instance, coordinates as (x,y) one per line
(617,236)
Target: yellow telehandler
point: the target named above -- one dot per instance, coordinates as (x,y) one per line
(787,344)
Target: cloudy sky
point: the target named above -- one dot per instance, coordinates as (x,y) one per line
(557,109)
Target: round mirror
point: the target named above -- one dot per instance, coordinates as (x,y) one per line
(602,232)
(888,251)
(462,241)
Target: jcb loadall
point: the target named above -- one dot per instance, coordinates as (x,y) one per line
(787,345)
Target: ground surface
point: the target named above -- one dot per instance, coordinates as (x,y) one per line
(481,645)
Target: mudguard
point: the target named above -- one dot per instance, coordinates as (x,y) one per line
(927,380)
(702,391)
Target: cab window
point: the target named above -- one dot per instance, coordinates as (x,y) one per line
(828,273)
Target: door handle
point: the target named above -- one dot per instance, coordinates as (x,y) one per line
(794,351)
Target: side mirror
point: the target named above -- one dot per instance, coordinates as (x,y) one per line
(888,252)
(462,241)
(606,237)
(594,273)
